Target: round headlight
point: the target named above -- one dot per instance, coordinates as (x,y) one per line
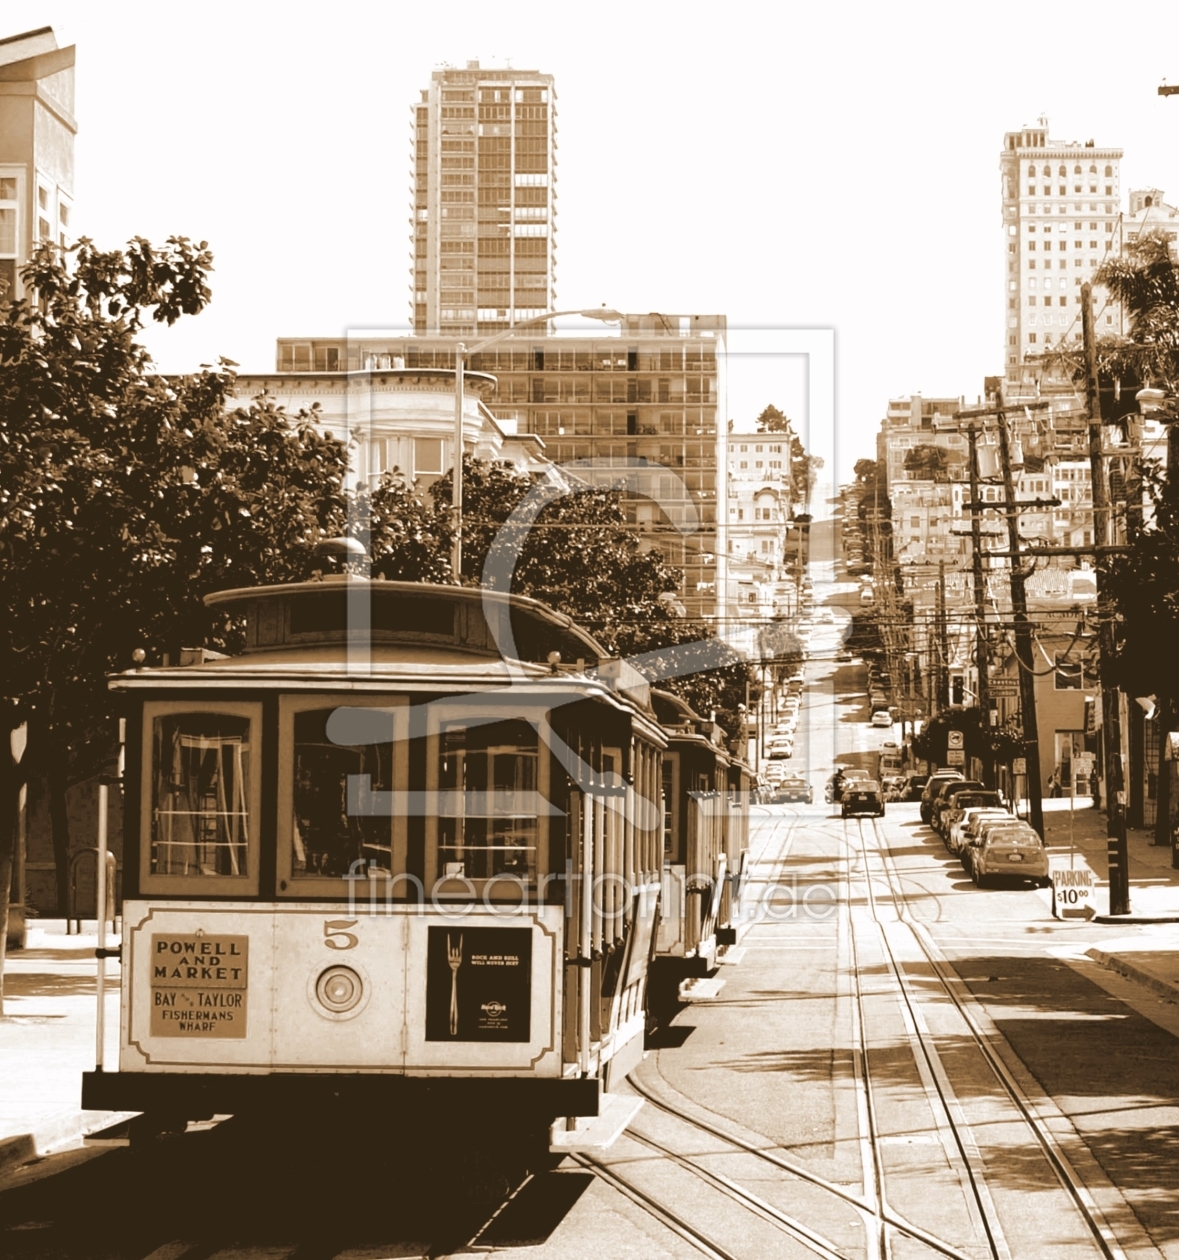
(339,989)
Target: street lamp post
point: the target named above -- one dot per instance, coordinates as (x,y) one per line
(461,354)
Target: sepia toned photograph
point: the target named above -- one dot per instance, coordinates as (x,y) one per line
(589,607)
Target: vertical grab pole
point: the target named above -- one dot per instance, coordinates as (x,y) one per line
(100,916)
(586,943)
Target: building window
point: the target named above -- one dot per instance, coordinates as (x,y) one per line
(1032,338)
(427,456)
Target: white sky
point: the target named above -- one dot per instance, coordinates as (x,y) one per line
(832,166)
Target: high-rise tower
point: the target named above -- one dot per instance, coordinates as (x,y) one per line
(37,130)
(484,150)
(1060,215)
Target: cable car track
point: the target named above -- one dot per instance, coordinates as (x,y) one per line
(1095,1224)
(880,1218)
(894,1219)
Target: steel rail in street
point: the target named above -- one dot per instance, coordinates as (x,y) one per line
(877,1212)
(934,1079)
(809,1238)
(660,1211)
(1054,1155)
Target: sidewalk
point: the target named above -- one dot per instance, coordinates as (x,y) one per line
(1154,884)
(1151,958)
(47,1040)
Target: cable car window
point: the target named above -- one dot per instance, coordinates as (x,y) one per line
(669,836)
(202,798)
(343,775)
(335,815)
(489,801)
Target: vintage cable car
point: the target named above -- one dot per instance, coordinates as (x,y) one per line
(705,837)
(395,854)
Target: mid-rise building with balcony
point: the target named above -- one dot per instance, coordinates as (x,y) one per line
(37,130)
(646,402)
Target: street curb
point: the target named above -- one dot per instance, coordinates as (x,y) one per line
(1136,918)
(1148,980)
(54,1134)
(17,1150)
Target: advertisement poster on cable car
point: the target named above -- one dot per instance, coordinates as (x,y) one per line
(478,984)
(199,985)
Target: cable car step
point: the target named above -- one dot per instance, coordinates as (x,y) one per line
(700,988)
(595,1132)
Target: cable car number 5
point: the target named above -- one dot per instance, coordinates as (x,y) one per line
(337,937)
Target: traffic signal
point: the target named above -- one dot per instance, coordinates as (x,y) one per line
(957,689)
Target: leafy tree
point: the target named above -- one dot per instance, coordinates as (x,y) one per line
(1144,585)
(1145,281)
(580,557)
(980,740)
(126,496)
(930,462)
(772,420)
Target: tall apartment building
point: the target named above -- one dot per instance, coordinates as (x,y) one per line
(1060,221)
(650,399)
(484,202)
(37,130)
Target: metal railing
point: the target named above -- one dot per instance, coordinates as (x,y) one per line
(73,914)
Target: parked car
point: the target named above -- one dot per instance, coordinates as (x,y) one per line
(958,834)
(960,802)
(881,717)
(944,801)
(1009,853)
(862,796)
(933,785)
(914,786)
(982,830)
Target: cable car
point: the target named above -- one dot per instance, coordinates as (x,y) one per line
(402,853)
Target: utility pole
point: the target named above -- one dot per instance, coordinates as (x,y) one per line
(943,642)
(1024,658)
(980,604)
(1111,725)
(1167,703)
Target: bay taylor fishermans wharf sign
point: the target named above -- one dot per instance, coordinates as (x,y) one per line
(198,985)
